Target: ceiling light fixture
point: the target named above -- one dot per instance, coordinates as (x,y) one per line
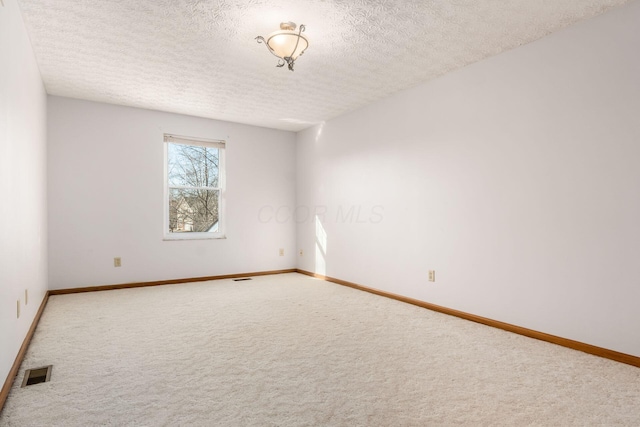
(286,44)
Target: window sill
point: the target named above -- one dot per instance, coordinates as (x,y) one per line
(191,237)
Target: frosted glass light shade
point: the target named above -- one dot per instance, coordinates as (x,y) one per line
(283,43)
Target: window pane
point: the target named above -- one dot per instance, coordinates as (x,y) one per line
(193,210)
(193,165)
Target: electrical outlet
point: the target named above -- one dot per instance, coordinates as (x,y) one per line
(26,296)
(281,252)
(117,262)
(18,309)
(301,253)
(432,275)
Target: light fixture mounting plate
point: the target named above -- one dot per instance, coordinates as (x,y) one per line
(291,26)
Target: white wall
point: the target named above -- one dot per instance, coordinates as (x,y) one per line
(23,209)
(517,179)
(106,197)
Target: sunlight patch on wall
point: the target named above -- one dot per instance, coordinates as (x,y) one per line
(321,248)
(319,133)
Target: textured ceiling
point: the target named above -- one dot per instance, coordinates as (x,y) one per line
(199,57)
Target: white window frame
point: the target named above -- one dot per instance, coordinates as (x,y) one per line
(210,143)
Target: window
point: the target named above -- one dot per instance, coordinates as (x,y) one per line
(194,188)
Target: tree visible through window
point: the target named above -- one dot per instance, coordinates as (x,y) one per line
(194,177)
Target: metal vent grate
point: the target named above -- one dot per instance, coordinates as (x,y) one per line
(242,280)
(37,375)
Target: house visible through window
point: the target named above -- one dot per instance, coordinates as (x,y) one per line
(194,186)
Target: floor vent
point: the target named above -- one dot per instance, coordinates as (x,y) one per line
(37,376)
(242,280)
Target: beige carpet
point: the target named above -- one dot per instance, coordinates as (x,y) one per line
(288,350)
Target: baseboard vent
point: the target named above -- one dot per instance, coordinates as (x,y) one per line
(37,375)
(242,279)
